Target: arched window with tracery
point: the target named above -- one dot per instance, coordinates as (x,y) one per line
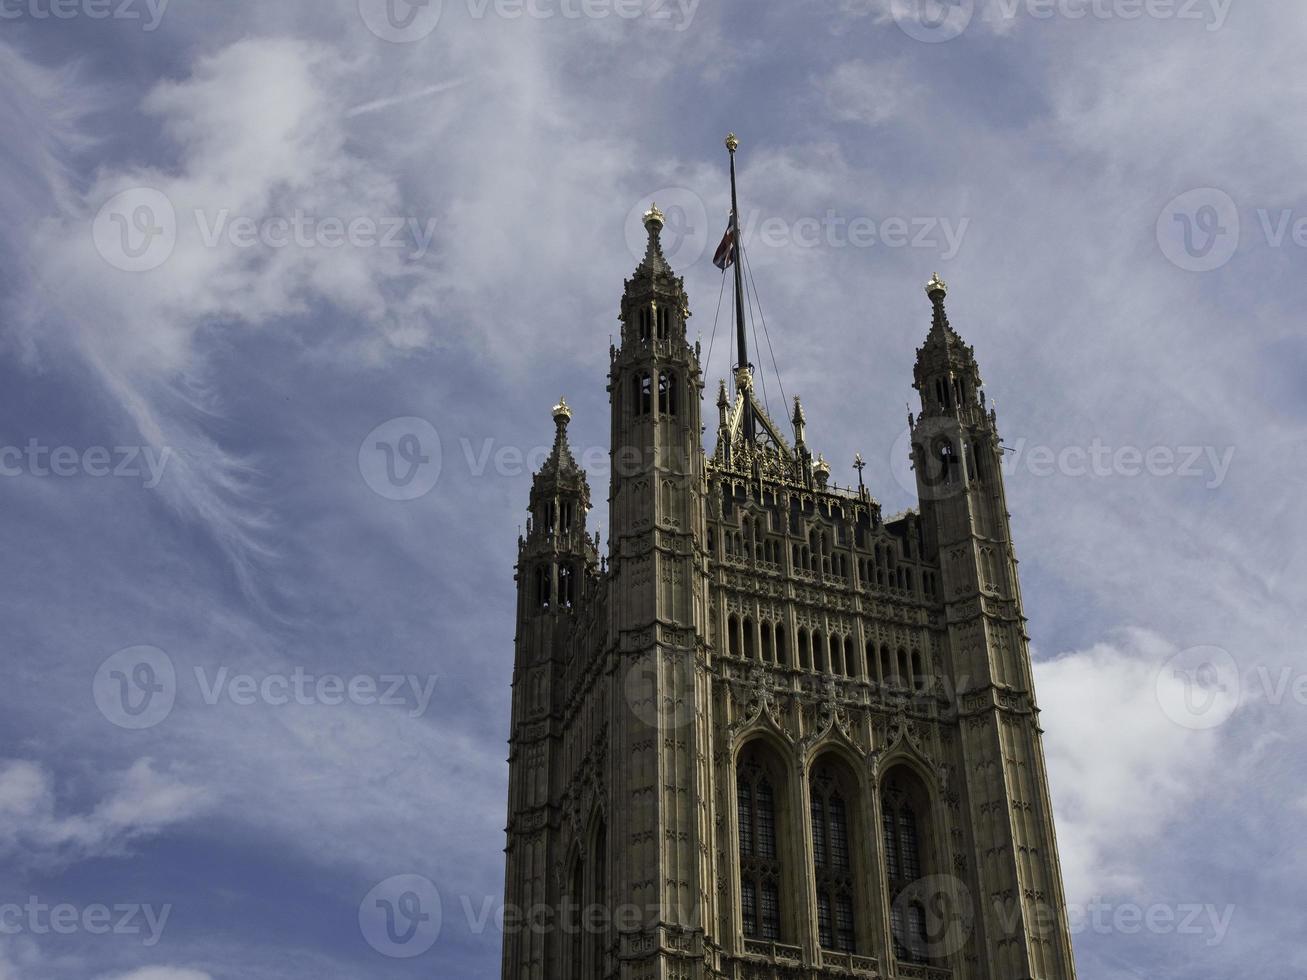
(599,900)
(544,586)
(760,866)
(903,808)
(642,395)
(667,394)
(833,862)
(566,585)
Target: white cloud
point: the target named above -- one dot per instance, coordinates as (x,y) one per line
(1121,770)
(868,93)
(161,973)
(139,803)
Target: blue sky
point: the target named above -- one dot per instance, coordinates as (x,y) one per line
(1111,189)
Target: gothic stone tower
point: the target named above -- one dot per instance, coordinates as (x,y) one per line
(774,734)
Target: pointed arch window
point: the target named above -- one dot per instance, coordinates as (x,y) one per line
(643,387)
(599,899)
(760,869)
(566,585)
(833,863)
(667,393)
(901,830)
(645,323)
(544,587)
(948,460)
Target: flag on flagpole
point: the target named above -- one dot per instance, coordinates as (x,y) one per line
(724,257)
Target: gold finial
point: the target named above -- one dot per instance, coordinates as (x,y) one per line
(562,413)
(821,470)
(654,217)
(936,285)
(732,142)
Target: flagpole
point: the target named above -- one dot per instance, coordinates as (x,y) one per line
(733,144)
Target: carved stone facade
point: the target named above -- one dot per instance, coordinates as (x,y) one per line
(773,734)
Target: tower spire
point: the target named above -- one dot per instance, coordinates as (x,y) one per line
(937,290)
(741,337)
